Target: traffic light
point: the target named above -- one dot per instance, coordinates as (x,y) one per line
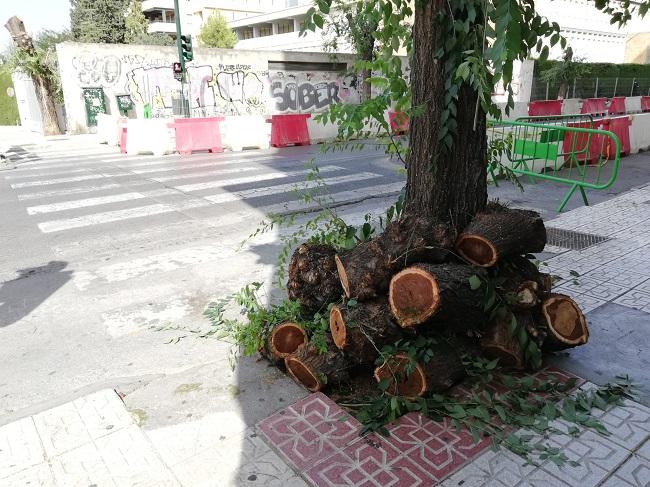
(186,46)
(178,71)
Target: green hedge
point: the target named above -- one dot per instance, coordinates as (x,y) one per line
(8,106)
(604,70)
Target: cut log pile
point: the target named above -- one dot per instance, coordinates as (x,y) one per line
(421,278)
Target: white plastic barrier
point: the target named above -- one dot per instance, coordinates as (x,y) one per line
(150,136)
(571,106)
(319,132)
(639,132)
(632,104)
(107,132)
(242,131)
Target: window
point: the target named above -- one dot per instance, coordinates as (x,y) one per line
(170,16)
(245,34)
(285,26)
(266,30)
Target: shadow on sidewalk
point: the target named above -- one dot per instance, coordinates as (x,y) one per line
(30,289)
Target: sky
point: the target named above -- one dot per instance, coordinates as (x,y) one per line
(37,15)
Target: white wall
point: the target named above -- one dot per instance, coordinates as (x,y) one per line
(28,106)
(222,81)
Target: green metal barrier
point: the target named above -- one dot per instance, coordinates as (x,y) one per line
(563,149)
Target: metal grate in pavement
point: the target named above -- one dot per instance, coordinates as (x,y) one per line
(570,239)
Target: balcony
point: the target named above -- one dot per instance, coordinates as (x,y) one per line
(163,27)
(148,5)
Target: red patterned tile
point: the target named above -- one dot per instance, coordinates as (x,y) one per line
(436,447)
(310,430)
(559,375)
(369,461)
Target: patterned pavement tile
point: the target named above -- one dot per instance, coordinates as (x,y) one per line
(558,375)
(20,447)
(39,475)
(595,288)
(635,472)
(634,298)
(436,447)
(596,455)
(310,430)
(585,302)
(644,450)
(82,467)
(369,461)
(502,469)
(61,429)
(103,412)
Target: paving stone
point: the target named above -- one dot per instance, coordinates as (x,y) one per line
(61,429)
(634,472)
(634,298)
(131,459)
(644,450)
(596,455)
(82,467)
(310,430)
(604,290)
(103,412)
(502,469)
(20,447)
(39,475)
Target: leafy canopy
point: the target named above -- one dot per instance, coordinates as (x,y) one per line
(136,24)
(216,33)
(101,21)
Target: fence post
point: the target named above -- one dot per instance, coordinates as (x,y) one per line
(615,86)
(632,89)
(596,91)
(546,98)
(574,87)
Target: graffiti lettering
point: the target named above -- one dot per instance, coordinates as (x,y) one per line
(306,96)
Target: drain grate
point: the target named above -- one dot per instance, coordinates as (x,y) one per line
(570,239)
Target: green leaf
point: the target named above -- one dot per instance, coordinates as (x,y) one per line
(318,20)
(352,303)
(474,282)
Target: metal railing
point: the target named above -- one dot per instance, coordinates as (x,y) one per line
(592,88)
(563,149)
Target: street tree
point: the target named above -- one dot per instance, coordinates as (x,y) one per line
(37,58)
(101,21)
(137,28)
(458,51)
(216,33)
(347,26)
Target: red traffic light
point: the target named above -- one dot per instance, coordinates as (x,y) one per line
(177,68)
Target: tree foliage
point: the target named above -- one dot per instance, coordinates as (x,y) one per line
(135,23)
(101,21)
(216,33)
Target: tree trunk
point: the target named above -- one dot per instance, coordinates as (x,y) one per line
(361,331)
(315,370)
(412,379)
(48,109)
(440,294)
(449,186)
(313,280)
(500,232)
(563,322)
(498,343)
(365,270)
(519,280)
(285,339)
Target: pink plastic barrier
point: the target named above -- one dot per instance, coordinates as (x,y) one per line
(621,127)
(122,131)
(195,134)
(594,105)
(617,105)
(645,103)
(545,107)
(399,123)
(289,129)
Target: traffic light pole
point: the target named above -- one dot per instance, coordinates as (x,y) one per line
(181,58)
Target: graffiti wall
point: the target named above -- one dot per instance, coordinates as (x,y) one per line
(221,82)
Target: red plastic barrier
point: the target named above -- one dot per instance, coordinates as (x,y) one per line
(617,105)
(545,107)
(575,143)
(621,127)
(594,105)
(289,129)
(194,134)
(645,103)
(399,123)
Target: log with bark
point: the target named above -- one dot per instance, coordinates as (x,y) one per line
(314,370)
(313,280)
(362,330)
(285,339)
(437,293)
(563,323)
(498,343)
(522,283)
(499,232)
(365,270)
(411,379)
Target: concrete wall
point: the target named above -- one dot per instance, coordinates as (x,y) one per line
(28,107)
(222,81)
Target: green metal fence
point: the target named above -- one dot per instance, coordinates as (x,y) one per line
(591,88)
(563,149)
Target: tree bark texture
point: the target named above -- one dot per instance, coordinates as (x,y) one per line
(315,370)
(519,280)
(46,101)
(499,232)
(437,294)
(365,270)
(361,331)
(498,343)
(412,379)
(313,280)
(449,186)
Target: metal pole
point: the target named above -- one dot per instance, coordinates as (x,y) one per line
(177,18)
(574,87)
(546,98)
(596,90)
(632,89)
(615,86)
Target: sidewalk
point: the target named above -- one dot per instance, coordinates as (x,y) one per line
(95,441)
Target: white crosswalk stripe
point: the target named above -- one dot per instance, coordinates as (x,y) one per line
(66,192)
(75,179)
